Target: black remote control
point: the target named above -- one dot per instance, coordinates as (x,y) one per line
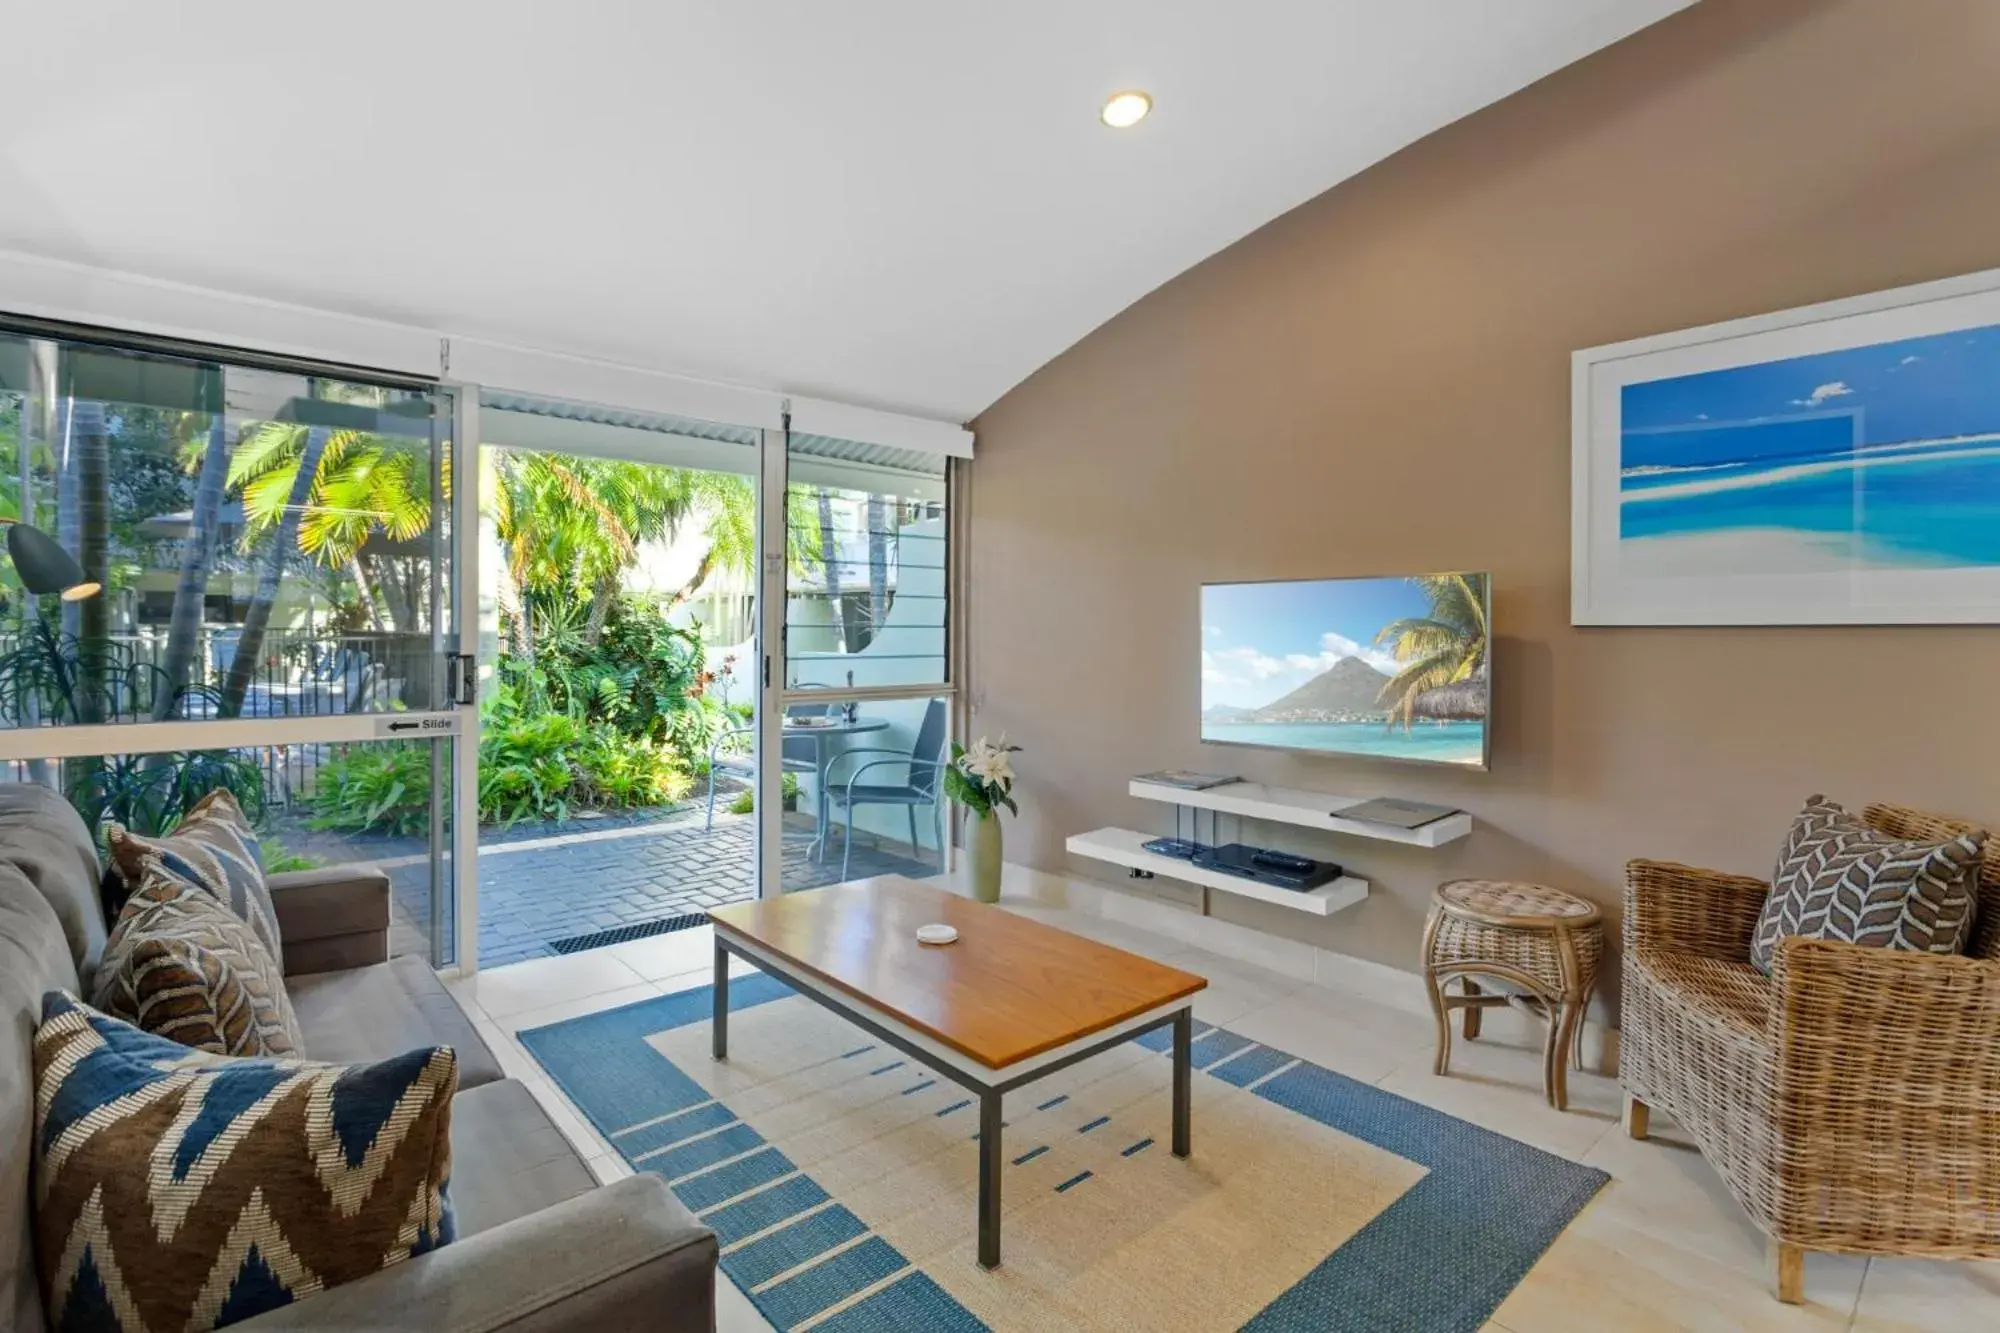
(1298,865)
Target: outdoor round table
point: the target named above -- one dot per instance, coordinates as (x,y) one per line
(821,732)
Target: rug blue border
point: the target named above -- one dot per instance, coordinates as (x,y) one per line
(1440,1259)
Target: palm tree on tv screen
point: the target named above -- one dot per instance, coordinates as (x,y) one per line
(1437,651)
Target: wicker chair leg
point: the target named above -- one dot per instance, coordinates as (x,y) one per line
(1638,1117)
(1791,1266)
(1473,1012)
(1438,1010)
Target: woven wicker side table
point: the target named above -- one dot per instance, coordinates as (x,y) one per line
(1540,940)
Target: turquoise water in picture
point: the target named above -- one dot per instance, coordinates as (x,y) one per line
(1884,456)
(1439,742)
(1922,504)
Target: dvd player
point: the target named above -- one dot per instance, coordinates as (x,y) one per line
(1281,870)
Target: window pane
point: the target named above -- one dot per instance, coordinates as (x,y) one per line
(866,539)
(361,804)
(198,540)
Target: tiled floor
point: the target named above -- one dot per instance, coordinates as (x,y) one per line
(1661,1248)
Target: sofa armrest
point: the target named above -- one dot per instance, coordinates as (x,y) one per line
(624,1257)
(1888,1094)
(1685,909)
(331,918)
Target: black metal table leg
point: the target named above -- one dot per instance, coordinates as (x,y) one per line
(989,1180)
(719,1029)
(1183,1067)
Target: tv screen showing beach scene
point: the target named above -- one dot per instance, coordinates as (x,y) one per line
(1386,668)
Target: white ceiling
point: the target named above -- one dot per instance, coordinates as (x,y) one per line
(901,203)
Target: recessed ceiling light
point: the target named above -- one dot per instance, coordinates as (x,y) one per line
(1124,110)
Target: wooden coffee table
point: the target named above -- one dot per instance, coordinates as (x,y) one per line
(1010,1002)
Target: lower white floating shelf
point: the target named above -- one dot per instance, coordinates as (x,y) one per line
(1121,846)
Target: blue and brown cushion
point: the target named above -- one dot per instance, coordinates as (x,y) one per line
(214,849)
(177,1190)
(182,966)
(1839,879)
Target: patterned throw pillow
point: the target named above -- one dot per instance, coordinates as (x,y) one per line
(1838,879)
(175,1190)
(180,965)
(215,850)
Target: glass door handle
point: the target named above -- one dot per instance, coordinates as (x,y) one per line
(463,676)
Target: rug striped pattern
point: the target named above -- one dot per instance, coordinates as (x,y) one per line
(840,1177)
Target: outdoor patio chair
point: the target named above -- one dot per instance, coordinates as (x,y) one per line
(797,754)
(922,767)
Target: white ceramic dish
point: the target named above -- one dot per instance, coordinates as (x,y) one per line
(936,934)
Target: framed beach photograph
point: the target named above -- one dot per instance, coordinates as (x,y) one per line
(1838,464)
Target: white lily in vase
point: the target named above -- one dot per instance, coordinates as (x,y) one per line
(980,777)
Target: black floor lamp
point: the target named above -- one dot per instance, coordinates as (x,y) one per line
(47,570)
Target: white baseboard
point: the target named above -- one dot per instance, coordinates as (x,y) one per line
(1361,978)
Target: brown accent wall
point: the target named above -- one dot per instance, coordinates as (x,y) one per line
(1379,382)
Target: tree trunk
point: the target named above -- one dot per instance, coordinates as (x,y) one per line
(250,644)
(828,566)
(41,419)
(513,609)
(69,522)
(693,585)
(878,566)
(197,558)
(394,593)
(601,595)
(93,551)
(364,593)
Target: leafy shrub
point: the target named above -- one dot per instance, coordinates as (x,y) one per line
(385,785)
(644,677)
(526,768)
(746,800)
(624,771)
(276,858)
(149,794)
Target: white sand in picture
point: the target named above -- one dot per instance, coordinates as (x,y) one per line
(1760,551)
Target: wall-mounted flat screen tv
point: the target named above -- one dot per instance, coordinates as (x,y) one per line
(1386,668)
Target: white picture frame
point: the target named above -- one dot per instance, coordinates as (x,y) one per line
(1733,517)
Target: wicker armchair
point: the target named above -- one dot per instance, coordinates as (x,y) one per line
(1851,1101)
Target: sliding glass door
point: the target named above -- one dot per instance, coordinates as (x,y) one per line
(618,637)
(232,573)
(866,700)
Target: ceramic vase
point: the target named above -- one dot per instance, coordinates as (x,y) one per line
(982,848)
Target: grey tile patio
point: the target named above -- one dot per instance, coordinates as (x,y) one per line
(540,890)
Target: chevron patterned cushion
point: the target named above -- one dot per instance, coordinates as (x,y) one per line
(180,964)
(213,849)
(1838,879)
(177,1190)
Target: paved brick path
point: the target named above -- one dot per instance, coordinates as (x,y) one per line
(575,884)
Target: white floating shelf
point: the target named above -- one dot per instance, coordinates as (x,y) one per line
(1126,848)
(1311,809)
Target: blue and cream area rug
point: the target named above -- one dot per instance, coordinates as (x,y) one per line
(841,1178)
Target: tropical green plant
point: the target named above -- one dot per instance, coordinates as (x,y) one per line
(788,791)
(277,859)
(526,768)
(380,785)
(1442,648)
(150,794)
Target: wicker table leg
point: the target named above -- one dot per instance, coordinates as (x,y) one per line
(1473,1013)
(1443,1016)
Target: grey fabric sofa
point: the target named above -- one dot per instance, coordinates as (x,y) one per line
(540,1247)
